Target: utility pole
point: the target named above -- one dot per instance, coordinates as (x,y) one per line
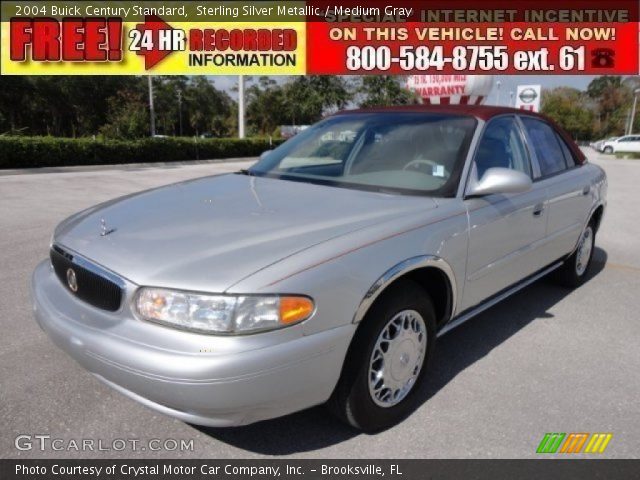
(152,113)
(633,111)
(180,109)
(240,106)
(498,85)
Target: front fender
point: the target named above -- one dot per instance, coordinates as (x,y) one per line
(400,269)
(346,274)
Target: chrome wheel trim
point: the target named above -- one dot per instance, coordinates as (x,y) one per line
(584,251)
(397,358)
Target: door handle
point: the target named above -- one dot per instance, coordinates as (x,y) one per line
(538,209)
(586,190)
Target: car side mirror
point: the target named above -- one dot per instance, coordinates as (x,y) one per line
(265,153)
(499,180)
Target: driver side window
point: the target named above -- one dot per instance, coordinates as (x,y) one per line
(501,146)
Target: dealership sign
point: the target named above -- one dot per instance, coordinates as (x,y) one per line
(451,89)
(528,97)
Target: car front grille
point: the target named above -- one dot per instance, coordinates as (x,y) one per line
(89,286)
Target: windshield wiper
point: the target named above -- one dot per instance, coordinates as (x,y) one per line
(246,171)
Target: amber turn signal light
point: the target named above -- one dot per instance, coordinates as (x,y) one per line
(295,309)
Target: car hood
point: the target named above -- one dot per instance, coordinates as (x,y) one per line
(207,234)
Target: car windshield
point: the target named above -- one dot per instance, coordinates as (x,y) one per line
(415,153)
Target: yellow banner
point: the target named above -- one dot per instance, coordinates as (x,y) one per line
(41,46)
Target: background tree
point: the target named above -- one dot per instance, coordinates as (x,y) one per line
(309,98)
(207,107)
(73,106)
(566,106)
(384,90)
(117,106)
(128,116)
(59,105)
(599,84)
(15,95)
(612,97)
(336,91)
(265,106)
(167,106)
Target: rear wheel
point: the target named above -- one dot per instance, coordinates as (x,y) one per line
(387,361)
(573,272)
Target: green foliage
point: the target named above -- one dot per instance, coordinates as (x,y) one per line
(384,90)
(265,106)
(23,152)
(598,85)
(603,110)
(60,105)
(128,117)
(612,99)
(114,106)
(117,107)
(566,106)
(299,101)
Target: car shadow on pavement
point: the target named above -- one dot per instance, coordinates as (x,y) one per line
(316,428)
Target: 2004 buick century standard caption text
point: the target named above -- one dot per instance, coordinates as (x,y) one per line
(324,273)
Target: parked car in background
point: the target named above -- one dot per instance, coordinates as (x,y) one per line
(327,271)
(597,145)
(626,143)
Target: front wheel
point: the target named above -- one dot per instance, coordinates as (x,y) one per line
(387,361)
(573,272)
(608,150)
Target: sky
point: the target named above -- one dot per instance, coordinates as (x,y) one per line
(508,84)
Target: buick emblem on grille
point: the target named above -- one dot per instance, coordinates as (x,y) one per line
(72,281)
(104,230)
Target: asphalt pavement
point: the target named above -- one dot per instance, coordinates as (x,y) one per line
(545,360)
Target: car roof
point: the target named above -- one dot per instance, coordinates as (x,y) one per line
(484,112)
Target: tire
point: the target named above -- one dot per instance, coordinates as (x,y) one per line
(394,321)
(575,269)
(608,150)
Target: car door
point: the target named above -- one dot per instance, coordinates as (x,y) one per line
(623,144)
(634,145)
(504,229)
(567,185)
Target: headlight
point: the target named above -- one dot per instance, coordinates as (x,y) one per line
(221,313)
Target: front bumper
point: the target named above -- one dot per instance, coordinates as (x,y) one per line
(202,379)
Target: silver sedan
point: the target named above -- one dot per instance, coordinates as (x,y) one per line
(327,271)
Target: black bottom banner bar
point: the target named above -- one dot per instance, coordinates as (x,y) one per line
(318,469)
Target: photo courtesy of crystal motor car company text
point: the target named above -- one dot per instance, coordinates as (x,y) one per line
(294,230)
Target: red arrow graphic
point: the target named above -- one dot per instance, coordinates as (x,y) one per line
(153,55)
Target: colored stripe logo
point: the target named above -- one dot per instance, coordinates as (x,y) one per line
(598,443)
(574,443)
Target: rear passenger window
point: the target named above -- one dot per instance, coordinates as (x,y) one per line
(568,156)
(546,145)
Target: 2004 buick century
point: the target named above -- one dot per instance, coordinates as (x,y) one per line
(327,271)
